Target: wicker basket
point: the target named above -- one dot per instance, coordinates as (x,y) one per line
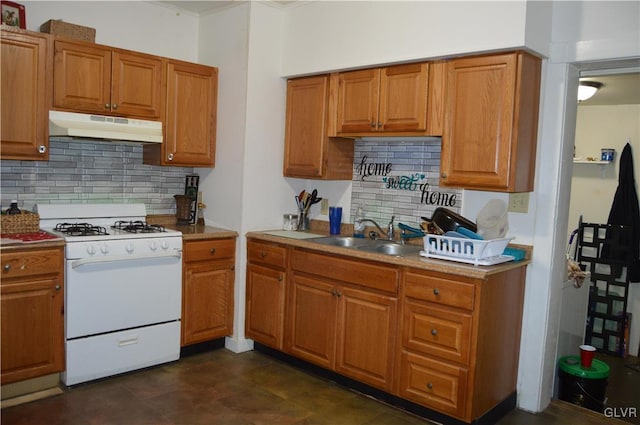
(26,222)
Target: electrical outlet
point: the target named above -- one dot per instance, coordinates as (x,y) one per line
(324,206)
(519,202)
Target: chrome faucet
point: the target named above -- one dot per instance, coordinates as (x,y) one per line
(389,234)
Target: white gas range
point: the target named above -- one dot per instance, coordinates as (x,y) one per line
(122,288)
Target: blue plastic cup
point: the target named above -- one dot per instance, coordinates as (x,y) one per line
(335,220)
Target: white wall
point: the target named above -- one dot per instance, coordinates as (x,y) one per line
(593,186)
(134,25)
(323,36)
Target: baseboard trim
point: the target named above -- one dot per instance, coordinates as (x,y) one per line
(27,398)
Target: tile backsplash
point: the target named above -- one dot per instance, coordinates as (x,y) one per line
(92,172)
(399,177)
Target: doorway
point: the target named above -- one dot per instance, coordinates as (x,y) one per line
(608,120)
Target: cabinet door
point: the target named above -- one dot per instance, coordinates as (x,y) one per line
(306,125)
(358,97)
(190,118)
(366,325)
(312,321)
(207,301)
(137,83)
(32,328)
(265,305)
(26,85)
(491,122)
(403,98)
(82,77)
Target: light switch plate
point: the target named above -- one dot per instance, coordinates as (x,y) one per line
(519,202)
(324,206)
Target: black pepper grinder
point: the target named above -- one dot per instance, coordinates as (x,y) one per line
(13,209)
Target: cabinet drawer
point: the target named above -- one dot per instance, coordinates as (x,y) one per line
(31,263)
(370,275)
(433,384)
(434,331)
(212,249)
(439,290)
(267,254)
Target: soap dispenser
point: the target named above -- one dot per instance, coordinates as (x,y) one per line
(358,224)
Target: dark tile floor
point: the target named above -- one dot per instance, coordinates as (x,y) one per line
(220,387)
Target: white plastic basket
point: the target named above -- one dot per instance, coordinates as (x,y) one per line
(466,250)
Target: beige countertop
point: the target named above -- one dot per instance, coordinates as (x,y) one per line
(192,232)
(412,260)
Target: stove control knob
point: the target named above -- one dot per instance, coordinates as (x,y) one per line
(129,248)
(153,245)
(91,250)
(104,249)
(164,245)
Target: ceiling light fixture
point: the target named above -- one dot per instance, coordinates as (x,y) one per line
(587,89)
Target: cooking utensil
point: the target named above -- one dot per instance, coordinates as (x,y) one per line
(447,220)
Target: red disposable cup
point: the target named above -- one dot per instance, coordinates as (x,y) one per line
(586,355)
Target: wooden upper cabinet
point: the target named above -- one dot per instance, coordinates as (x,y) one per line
(401,100)
(491,122)
(102,80)
(190,118)
(309,151)
(25,76)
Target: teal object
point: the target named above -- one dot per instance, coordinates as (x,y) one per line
(516,253)
(468,233)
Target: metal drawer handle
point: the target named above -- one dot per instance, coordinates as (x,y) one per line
(434,332)
(429,385)
(436,291)
(7,267)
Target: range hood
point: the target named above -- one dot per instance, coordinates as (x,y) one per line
(104,127)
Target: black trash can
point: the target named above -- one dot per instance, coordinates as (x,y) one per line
(586,387)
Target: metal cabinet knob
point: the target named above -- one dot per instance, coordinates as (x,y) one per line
(7,267)
(443,175)
(58,287)
(263,254)
(212,251)
(379,125)
(107,106)
(170,157)
(280,278)
(429,385)
(114,106)
(434,332)
(373,125)
(436,291)
(42,149)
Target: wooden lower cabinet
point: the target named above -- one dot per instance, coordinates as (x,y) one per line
(445,342)
(207,290)
(338,324)
(32,298)
(460,340)
(266,285)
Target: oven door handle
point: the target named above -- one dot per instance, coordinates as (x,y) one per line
(84,261)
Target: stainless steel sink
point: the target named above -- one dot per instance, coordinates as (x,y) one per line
(391,248)
(369,245)
(344,241)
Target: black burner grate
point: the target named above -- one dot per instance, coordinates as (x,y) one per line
(80,229)
(137,227)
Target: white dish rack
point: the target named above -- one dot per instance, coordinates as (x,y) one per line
(471,251)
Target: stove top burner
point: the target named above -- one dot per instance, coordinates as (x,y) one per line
(80,229)
(137,227)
